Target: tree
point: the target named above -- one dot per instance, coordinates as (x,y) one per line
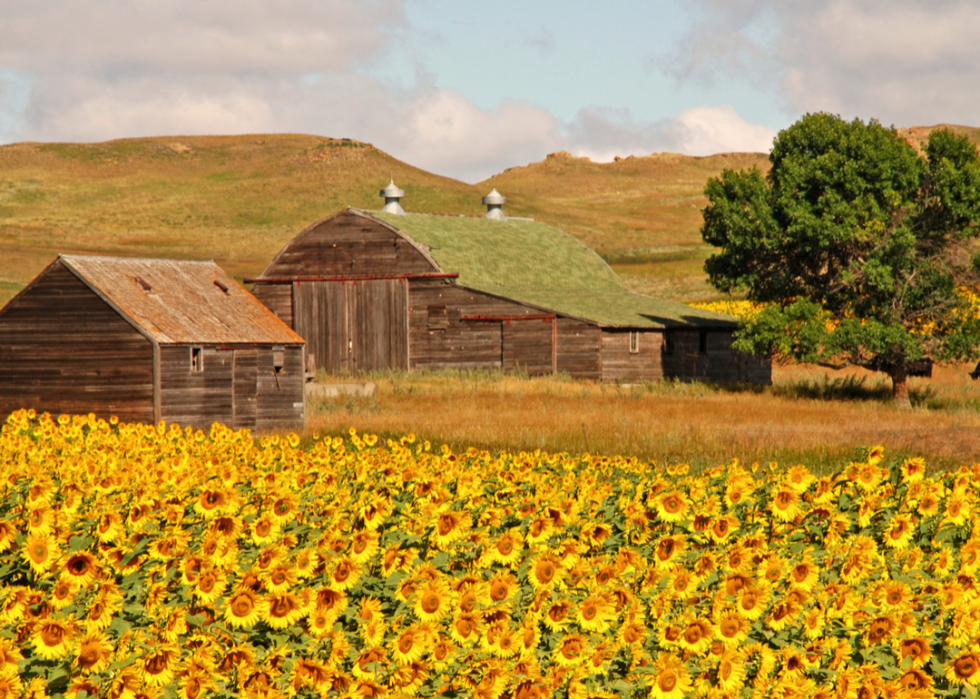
(859,244)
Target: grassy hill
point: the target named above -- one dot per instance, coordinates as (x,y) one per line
(239,199)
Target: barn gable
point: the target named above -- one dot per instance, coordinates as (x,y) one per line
(350,244)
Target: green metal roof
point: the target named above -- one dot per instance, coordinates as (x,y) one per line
(543,266)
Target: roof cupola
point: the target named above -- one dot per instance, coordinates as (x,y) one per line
(392,194)
(495,202)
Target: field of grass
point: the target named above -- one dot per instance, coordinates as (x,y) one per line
(809,415)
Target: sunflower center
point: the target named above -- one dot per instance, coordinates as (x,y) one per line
(965,667)
(667,681)
(499,592)
(589,612)
(405,643)
(725,670)
(263,527)
(730,628)
(431,603)
(242,605)
(692,634)
(672,504)
(505,547)
(52,635)
(546,572)
(446,524)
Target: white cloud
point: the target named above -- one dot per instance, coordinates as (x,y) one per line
(905,62)
(92,70)
(602,134)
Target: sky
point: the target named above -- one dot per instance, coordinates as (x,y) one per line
(466,89)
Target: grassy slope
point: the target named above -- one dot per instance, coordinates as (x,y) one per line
(238,199)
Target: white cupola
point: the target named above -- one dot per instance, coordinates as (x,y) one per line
(495,202)
(392,194)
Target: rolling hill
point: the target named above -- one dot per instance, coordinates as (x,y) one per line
(239,199)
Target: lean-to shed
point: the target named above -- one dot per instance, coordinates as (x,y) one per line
(377,290)
(149,340)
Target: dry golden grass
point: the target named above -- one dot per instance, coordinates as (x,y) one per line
(806,416)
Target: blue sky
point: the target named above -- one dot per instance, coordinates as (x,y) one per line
(467,88)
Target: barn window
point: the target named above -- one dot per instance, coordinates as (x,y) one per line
(668,343)
(197,360)
(438,319)
(703,343)
(634,342)
(278,358)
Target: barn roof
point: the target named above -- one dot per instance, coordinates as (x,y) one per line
(180,301)
(543,266)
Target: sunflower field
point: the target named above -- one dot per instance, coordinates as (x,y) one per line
(142,561)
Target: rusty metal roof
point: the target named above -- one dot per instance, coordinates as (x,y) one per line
(181,301)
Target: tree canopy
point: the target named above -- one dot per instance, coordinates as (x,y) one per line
(861,246)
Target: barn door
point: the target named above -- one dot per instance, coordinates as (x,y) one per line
(244,389)
(378,312)
(320,316)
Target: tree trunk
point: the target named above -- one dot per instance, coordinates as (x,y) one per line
(900,385)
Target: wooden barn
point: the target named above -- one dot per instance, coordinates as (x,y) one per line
(149,340)
(377,290)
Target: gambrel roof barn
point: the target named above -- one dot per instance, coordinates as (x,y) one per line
(375,290)
(149,340)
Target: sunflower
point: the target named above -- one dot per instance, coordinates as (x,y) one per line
(411,644)
(94,652)
(805,574)
(407,679)
(40,520)
(785,504)
(243,608)
(194,684)
(363,546)
(964,669)
(450,527)
(157,667)
(370,663)
(632,634)
(915,684)
(878,631)
(957,510)
(210,585)
(913,469)
(544,571)
(730,673)
(101,610)
(280,579)
(372,632)
(503,586)
(282,610)
(432,601)
(284,508)
(507,550)
(668,548)
(596,613)
(672,506)
(570,650)
(696,636)
(899,533)
(8,534)
(731,627)
(345,574)
(211,502)
(722,528)
(62,594)
(305,563)
(466,628)
(40,552)
(917,650)
(52,638)
(265,529)
(672,680)
(539,530)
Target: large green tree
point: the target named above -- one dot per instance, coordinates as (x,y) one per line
(859,243)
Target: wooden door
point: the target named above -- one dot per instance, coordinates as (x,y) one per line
(378,313)
(244,388)
(320,316)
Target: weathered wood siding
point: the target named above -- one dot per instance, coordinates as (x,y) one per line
(578,348)
(351,327)
(237,387)
(65,350)
(439,337)
(280,395)
(622,366)
(348,245)
(278,298)
(684,359)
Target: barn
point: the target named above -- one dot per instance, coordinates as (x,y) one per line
(390,290)
(149,340)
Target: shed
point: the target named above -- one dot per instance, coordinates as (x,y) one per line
(377,290)
(149,340)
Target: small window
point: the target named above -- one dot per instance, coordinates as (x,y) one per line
(703,343)
(634,342)
(197,360)
(438,319)
(278,358)
(668,343)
